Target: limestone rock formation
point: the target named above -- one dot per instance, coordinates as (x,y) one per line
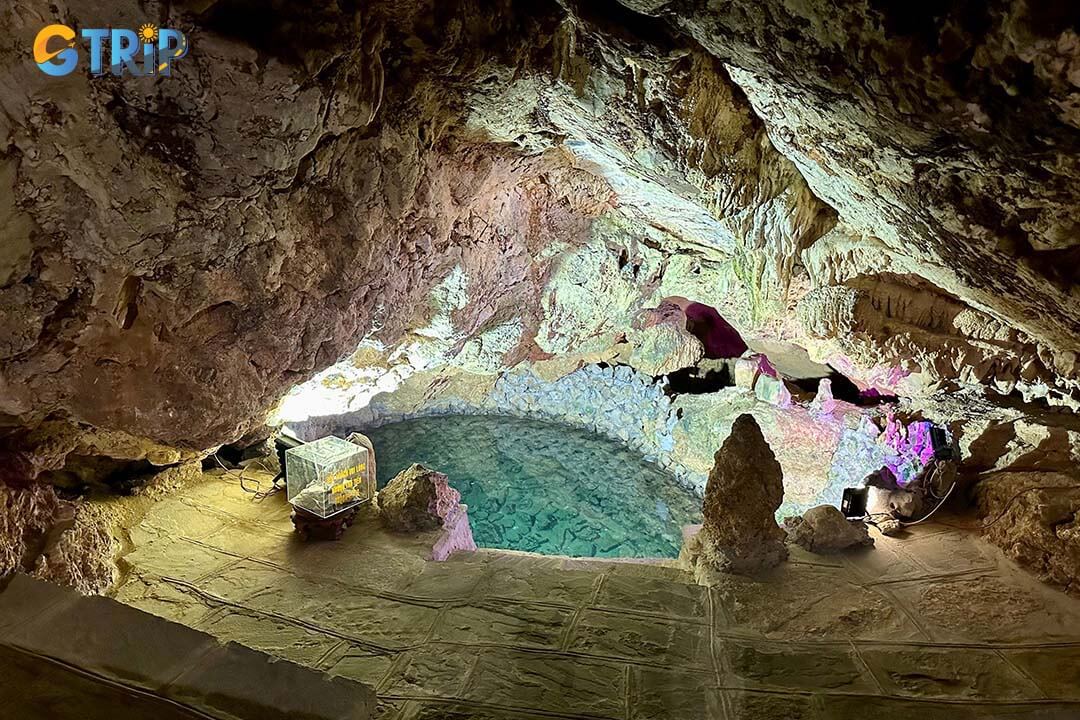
(419,499)
(54,539)
(478,185)
(663,349)
(745,488)
(1035,518)
(824,529)
(416,499)
(31,521)
(906,323)
(944,136)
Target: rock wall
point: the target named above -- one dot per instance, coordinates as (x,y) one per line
(946,136)
(192,248)
(1033,517)
(183,253)
(931,340)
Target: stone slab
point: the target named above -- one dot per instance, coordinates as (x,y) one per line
(244,683)
(948,673)
(664,642)
(364,667)
(1055,670)
(987,608)
(444,581)
(665,695)
(431,671)
(522,625)
(91,642)
(112,640)
(34,688)
(655,596)
(276,637)
(544,682)
(25,600)
(462,711)
(774,706)
(537,579)
(800,602)
(788,667)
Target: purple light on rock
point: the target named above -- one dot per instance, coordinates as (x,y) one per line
(910,448)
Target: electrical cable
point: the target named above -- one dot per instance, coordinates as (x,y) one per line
(1008,505)
(927,516)
(258,492)
(869,517)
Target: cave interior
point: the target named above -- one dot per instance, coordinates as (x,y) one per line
(515,359)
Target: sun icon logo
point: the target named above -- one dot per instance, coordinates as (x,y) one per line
(148,33)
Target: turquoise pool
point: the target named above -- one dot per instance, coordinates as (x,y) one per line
(543,487)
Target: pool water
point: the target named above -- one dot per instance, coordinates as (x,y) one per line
(543,487)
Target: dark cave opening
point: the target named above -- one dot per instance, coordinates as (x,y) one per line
(699,381)
(843,389)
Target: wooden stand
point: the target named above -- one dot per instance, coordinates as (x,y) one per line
(312,527)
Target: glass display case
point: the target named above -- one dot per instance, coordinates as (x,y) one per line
(328,475)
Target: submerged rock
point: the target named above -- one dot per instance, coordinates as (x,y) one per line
(824,529)
(745,488)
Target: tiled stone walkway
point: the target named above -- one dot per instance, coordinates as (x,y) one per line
(933,626)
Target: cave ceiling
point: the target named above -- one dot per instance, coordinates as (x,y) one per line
(178,253)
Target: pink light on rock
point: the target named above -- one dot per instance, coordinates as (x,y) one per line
(456,536)
(716,334)
(457,533)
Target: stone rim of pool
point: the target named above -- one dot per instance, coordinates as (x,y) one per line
(601,499)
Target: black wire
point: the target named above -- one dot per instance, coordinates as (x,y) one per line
(1009,505)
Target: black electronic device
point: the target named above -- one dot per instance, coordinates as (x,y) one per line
(939,440)
(853,504)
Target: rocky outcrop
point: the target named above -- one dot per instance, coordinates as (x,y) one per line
(739,533)
(663,349)
(824,530)
(31,521)
(419,499)
(906,323)
(1035,518)
(949,136)
(78,456)
(54,539)
(416,499)
(169,286)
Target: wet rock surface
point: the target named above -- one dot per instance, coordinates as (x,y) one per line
(824,529)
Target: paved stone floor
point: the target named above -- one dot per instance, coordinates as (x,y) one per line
(936,625)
